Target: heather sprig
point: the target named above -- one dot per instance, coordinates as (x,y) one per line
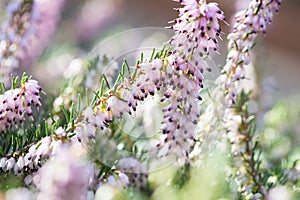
(81,129)
(82,147)
(239,124)
(17,109)
(196,33)
(228,113)
(248,24)
(169,73)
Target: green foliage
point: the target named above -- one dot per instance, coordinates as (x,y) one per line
(130,193)
(181,177)
(279,140)
(9,181)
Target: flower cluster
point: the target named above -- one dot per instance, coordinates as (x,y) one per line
(148,81)
(83,131)
(249,23)
(196,32)
(34,155)
(240,128)
(178,76)
(197,28)
(15,103)
(29,162)
(181,112)
(228,113)
(238,122)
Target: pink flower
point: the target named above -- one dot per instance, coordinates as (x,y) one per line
(196,32)
(248,23)
(197,28)
(45,16)
(15,103)
(65,176)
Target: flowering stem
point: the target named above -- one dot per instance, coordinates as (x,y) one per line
(255,184)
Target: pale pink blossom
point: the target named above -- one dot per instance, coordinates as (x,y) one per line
(18,102)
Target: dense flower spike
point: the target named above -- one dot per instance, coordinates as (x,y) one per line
(229,106)
(240,126)
(249,23)
(181,112)
(197,30)
(34,156)
(15,103)
(30,161)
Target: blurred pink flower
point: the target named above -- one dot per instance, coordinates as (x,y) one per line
(26,33)
(94,15)
(65,176)
(46,15)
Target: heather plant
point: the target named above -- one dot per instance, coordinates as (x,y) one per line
(149,123)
